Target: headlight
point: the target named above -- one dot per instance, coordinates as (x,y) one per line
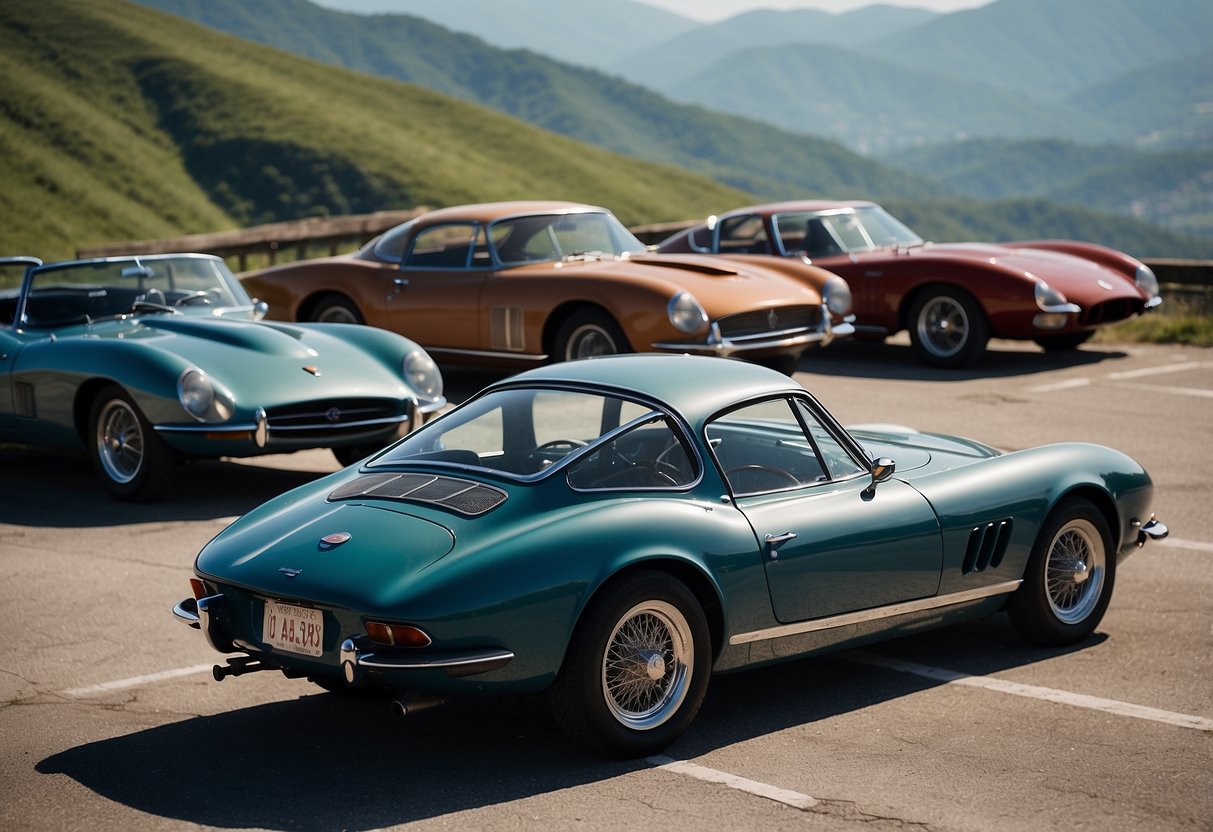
(837,296)
(1048,298)
(685,313)
(201,399)
(422,374)
(1146,281)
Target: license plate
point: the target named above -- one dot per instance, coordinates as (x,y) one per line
(293,629)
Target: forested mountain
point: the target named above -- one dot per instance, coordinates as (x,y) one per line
(118,122)
(580,103)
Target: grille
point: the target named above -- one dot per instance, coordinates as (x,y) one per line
(987,545)
(1111,311)
(464,496)
(329,415)
(749,324)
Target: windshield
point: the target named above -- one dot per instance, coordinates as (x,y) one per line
(88,291)
(841,231)
(542,237)
(521,433)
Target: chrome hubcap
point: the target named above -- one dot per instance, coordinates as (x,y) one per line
(590,340)
(943,326)
(119,441)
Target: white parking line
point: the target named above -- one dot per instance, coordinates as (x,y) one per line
(1196,392)
(710,775)
(1122,377)
(1145,372)
(1060,385)
(1078,700)
(136,681)
(1180,543)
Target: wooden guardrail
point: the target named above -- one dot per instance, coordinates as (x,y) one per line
(333,234)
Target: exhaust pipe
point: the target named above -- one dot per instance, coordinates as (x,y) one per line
(409,705)
(238,667)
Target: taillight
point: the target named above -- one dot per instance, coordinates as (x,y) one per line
(397,635)
(198,588)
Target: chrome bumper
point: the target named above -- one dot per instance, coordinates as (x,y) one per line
(1150,530)
(787,340)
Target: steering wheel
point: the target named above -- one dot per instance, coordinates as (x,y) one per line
(550,451)
(770,471)
(203,295)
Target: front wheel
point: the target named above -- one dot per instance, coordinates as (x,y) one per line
(588,333)
(333,308)
(637,668)
(1069,578)
(132,462)
(948,327)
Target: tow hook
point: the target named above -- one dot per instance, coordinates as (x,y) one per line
(238,666)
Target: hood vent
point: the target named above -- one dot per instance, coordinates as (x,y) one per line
(987,545)
(464,496)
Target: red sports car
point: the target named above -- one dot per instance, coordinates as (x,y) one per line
(951,297)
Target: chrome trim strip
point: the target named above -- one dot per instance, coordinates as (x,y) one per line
(863,616)
(516,356)
(186,612)
(365,423)
(433,662)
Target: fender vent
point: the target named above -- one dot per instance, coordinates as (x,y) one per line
(464,496)
(987,545)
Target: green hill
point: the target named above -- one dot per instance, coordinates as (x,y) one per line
(119,122)
(579,103)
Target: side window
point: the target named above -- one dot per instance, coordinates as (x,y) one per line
(838,461)
(649,455)
(743,235)
(763,447)
(442,247)
(390,245)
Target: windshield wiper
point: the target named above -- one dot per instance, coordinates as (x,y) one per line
(152,306)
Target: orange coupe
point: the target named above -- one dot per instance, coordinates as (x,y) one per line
(519,282)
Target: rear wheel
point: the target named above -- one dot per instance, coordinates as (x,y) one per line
(132,462)
(333,308)
(587,333)
(637,667)
(948,327)
(1069,578)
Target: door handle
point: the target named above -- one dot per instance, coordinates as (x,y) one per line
(400,282)
(774,541)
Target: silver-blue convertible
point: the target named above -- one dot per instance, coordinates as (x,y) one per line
(612,531)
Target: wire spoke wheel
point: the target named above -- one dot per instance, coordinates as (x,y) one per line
(120,441)
(646,669)
(1074,572)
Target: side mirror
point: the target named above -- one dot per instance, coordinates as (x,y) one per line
(882,469)
(260,308)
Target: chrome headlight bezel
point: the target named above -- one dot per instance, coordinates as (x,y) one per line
(1146,281)
(686,314)
(202,399)
(836,295)
(1050,299)
(422,374)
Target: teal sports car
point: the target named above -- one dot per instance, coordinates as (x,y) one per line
(612,531)
(144,361)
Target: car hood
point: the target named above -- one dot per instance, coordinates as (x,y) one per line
(920,452)
(1077,277)
(371,554)
(265,364)
(718,284)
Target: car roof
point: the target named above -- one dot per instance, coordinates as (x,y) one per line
(694,386)
(486,212)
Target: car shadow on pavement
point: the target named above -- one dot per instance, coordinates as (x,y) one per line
(323,761)
(872,359)
(60,490)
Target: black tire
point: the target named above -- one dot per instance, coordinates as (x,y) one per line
(333,308)
(1069,341)
(587,333)
(132,462)
(664,678)
(948,328)
(1069,579)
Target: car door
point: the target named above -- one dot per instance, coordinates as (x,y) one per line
(9,347)
(435,298)
(830,543)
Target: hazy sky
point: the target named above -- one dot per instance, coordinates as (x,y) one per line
(717,9)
